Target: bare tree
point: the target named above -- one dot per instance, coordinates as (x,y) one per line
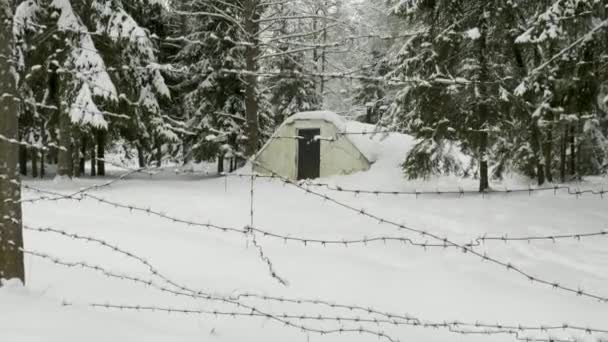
(11,235)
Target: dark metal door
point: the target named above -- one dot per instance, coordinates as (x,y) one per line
(309,154)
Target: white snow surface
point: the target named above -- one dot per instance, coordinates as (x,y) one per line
(433,284)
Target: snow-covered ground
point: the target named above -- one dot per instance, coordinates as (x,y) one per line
(432,284)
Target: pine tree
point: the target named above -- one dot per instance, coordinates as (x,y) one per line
(84,72)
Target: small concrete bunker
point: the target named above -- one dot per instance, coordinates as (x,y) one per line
(310,145)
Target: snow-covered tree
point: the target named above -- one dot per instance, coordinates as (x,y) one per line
(95,57)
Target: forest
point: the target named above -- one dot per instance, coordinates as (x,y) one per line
(303,170)
(518,86)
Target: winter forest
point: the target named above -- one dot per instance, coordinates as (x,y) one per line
(314,170)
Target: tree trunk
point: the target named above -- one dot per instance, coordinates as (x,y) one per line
(23,160)
(252,27)
(141,158)
(64,139)
(42,154)
(548,151)
(93,158)
(482,107)
(563,155)
(220,164)
(11,234)
(42,165)
(101,149)
(76,146)
(572,151)
(536,149)
(83,155)
(34,154)
(158,155)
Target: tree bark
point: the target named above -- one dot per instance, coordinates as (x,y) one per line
(482,107)
(93,159)
(42,154)
(536,149)
(158,155)
(141,158)
(76,140)
(34,154)
(101,149)
(548,151)
(563,155)
(572,151)
(23,160)
(11,234)
(220,164)
(251,15)
(64,153)
(83,155)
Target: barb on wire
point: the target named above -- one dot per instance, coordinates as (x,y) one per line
(390,319)
(553,238)
(251,233)
(465,248)
(438,192)
(309,241)
(253,311)
(305,241)
(452,327)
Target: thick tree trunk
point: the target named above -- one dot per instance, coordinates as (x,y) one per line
(252,26)
(101,152)
(141,158)
(11,234)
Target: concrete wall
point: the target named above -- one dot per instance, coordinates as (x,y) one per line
(337,157)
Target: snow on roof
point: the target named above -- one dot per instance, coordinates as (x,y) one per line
(332,117)
(367,144)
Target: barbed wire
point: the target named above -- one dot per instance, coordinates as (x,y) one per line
(201,295)
(465,248)
(552,238)
(391,319)
(461,192)
(243,231)
(452,327)
(309,241)
(251,233)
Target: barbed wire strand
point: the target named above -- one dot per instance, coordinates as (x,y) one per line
(465,249)
(461,192)
(307,241)
(392,319)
